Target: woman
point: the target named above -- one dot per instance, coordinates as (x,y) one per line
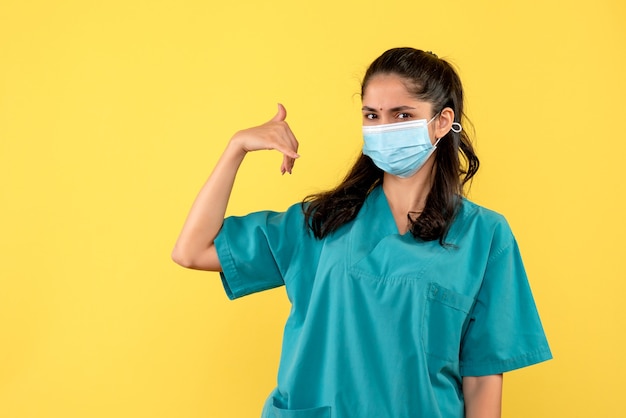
(408,300)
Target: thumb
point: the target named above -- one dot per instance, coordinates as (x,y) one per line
(281,114)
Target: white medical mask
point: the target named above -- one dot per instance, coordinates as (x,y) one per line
(399,148)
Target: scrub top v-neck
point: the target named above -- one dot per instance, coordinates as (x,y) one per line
(381,324)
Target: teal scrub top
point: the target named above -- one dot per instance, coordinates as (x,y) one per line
(382,324)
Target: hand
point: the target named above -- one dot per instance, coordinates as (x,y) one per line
(274,134)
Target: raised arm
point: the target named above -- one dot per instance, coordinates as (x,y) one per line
(195,248)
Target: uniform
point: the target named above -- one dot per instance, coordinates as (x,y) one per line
(383,325)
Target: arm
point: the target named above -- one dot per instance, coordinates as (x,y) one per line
(195,247)
(483,396)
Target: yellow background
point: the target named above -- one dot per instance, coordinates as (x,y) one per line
(113,113)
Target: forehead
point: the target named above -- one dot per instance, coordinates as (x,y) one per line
(390,90)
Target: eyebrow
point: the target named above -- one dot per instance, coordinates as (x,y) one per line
(395,109)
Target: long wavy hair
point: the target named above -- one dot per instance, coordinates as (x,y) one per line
(429,79)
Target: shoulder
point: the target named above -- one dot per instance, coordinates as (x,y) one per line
(476,221)
(472,210)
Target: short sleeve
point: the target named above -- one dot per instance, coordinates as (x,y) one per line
(255,250)
(505,331)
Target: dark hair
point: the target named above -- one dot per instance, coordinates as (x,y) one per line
(433,80)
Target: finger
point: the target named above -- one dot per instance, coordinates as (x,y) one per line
(287,165)
(280,115)
(294,142)
(288,145)
(287,151)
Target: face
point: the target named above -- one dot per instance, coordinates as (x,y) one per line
(387,100)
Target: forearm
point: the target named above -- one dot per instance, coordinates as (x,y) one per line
(483,396)
(194,247)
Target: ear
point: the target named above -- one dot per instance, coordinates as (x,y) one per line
(444,122)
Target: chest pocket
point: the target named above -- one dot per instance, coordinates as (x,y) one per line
(445,318)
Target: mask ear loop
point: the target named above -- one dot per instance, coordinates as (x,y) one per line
(456,127)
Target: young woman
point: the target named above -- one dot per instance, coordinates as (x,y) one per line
(408,300)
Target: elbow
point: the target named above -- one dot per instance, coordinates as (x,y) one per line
(182,258)
(196,260)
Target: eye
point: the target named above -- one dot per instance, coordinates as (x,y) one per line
(403,115)
(370,116)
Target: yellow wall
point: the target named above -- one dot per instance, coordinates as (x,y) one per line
(113,113)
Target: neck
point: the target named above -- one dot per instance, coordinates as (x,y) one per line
(408,195)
